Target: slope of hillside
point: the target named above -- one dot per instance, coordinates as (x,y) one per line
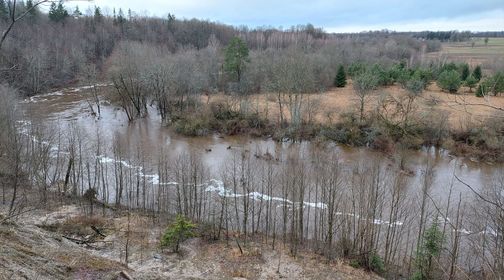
(45,245)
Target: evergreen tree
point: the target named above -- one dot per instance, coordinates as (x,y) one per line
(465,72)
(431,246)
(340,79)
(177,232)
(481,91)
(236,56)
(58,13)
(120,17)
(449,80)
(470,82)
(32,11)
(477,73)
(4,12)
(98,16)
(76,13)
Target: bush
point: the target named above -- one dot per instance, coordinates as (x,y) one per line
(425,75)
(470,82)
(449,80)
(495,84)
(382,76)
(356,69)
(197,125)
(464,71)
(481,91)
(376,263)
(177,232)
(403,76)
(477,73)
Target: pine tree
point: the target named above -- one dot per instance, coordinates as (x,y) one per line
(177,232)
(432,244)
(480,92)
(53,14)
(340,79)
(470,82)
(98,16)
(120,17)
(32,11)
(58,13)
(477,73)
(76,13)
(465,72)
(235,59)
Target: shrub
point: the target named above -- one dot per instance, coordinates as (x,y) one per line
(464,71)
(430,248)
(495,84)
(177,232)
(356,69)
(470,82)
(382,76)
(481,91)
(415,86)
(376,263)
(403,76)
(425,75)
(197,125)
(449,80)
(477,73)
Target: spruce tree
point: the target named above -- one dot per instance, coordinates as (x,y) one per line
(477,73)
(53,14)
(465,72)
(58,13)
(480,92)
(471,82)
(98,16)
(340,79)
(76,13)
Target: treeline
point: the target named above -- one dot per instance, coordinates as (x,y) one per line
(45,51)
(445,36)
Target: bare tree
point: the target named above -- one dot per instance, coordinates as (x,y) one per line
(363,85)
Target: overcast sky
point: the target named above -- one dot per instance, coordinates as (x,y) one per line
(333,16)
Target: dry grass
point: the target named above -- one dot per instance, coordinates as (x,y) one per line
(465,52)
(460,108)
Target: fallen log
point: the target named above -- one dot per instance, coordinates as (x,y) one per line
(98,231)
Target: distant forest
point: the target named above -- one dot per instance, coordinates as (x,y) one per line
(43,51)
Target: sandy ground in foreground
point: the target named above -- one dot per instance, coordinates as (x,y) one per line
(34,247)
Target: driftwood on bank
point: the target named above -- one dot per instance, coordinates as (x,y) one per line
(90,240)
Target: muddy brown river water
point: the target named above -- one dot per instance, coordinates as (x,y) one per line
(69,106)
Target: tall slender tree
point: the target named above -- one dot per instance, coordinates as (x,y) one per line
(236,57)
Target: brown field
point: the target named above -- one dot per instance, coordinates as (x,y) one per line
(462,109)
(486,55)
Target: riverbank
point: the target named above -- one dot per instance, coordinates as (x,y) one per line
(462,123)
(44,244)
